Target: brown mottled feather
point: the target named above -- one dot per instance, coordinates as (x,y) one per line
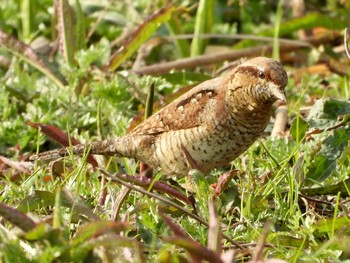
(180,111)
(210,125)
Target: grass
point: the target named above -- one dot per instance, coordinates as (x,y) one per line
(65,211)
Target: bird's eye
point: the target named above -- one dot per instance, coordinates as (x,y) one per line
(261,74)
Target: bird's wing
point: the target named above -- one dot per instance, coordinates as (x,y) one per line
(185,112)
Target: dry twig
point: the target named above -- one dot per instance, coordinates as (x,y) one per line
(346,34)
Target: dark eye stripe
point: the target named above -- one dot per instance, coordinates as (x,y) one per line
(248,69)
(256,72)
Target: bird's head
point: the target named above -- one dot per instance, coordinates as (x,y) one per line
(263,79)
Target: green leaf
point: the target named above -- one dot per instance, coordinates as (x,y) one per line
(12,251)
(343,187)
(204,22)
(95,229)
(175,28)
(40,231)
(136,38)
(331,224)
(298,128)
(276,47)
(27,16)
(324,163)
(65,17)
(46,198)
(80,27)
(25,52)
(325,112)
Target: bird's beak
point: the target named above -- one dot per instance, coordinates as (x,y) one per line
(279,94)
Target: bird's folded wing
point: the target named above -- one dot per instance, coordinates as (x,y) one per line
(185,112)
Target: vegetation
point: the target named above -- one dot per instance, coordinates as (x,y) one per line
(81,71)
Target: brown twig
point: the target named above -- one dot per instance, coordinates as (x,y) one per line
(205,60)
(209,59)
(235,37)
(318,131)
(113,178)
(121,197)
(346,34)
(281,121)
(315,200)
(257,257)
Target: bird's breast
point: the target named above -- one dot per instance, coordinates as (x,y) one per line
(208,146)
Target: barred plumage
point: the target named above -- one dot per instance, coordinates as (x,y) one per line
(215,122)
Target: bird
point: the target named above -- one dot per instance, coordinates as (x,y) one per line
(209,126)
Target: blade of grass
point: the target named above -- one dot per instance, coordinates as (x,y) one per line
(279,13)
(165,200)
(335,216)
(136,38)
(57,216)
(80,28)
(27,18)
(182,45)
(204,22)
(65,24)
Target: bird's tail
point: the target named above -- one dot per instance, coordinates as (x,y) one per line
(120,146)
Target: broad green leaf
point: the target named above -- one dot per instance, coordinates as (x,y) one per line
(342,187)
(285,238)
(325,113)
(65,24)
(330,224)
(325,161)
(40,231)
(136,38)
(46,198)
(25,52)
(95,229)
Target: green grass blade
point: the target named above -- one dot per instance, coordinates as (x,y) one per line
(135,39)
(80,27)
(279,13)
(149,101)
(65,23)
(204,22)
(57,216)
(27,18)
(182,45)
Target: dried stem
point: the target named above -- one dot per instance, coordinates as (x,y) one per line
(281,121)
(346,34)
(113,178)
